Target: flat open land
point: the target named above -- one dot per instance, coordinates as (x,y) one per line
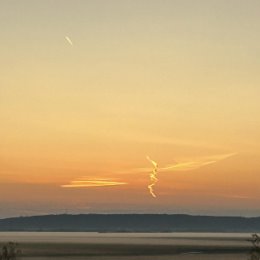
(129,246)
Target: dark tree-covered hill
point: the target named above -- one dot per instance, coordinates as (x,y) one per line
(131,223)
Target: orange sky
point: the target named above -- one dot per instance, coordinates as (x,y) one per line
(88,89)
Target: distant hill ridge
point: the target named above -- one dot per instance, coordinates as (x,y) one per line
(131,223)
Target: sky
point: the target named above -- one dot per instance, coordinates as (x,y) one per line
(90,89)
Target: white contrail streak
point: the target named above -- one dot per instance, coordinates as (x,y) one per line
(153,176)
(69,40)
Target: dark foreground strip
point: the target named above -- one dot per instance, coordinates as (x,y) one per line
(57,249)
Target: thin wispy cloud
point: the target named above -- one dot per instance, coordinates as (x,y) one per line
(88,183)
(196,163)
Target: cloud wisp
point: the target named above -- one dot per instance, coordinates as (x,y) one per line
(69,40)
(96,182)
(197,163)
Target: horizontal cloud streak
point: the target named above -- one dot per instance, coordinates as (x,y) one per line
(195,164)
(86,183)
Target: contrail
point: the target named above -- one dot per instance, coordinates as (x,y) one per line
(184,166)
(69,40)
(153,176)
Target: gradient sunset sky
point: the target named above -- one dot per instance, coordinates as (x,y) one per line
(90,88)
